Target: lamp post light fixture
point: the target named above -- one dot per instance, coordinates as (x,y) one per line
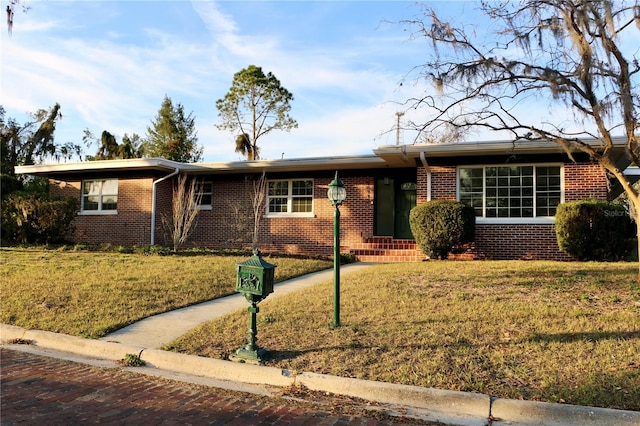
(336,194)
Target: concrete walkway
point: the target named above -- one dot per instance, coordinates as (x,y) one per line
(158,330)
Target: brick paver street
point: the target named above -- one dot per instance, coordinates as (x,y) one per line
(48,391)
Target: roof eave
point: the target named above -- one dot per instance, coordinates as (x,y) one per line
(138,164)
(407,154)
(234,167)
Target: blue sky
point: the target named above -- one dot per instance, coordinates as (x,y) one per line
(110,63)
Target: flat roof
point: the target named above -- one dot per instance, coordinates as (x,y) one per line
(383,156)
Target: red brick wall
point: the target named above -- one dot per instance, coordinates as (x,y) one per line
(130,226)
(443,182)
(229,223)
(584,180)
(526,242)
(422,186)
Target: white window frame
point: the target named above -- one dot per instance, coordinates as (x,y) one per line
(202,206)
(512,220)
(100,194)
(290,197)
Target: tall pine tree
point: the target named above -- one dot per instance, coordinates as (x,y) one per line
(172,135)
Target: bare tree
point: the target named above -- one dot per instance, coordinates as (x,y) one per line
(581,55)
(184,211)
(258,203)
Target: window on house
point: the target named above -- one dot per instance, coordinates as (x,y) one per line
(290,196)
(511,191)
(100,195)
(205,191)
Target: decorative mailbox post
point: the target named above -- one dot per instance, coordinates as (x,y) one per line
(255,281)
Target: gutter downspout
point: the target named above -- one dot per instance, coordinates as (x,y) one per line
(423,160)
(153,203)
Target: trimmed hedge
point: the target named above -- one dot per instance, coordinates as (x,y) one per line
(594,230)
(441,227)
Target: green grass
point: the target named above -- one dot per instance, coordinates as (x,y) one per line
(91,294)
(547,331)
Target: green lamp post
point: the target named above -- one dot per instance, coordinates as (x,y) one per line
(337,194)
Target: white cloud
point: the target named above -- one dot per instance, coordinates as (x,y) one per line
(106,79)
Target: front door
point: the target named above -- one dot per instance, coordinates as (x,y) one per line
(394,200)
(405,201)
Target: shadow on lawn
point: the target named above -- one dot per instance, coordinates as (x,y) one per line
(592,336)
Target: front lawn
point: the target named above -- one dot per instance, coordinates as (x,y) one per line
(91,294)
(547,331)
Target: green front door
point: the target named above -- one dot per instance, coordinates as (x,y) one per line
(405,200)
(394,200)
(384,207)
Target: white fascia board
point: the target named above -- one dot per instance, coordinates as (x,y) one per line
(159,164)
(406,153)
(289,165)
(102,165)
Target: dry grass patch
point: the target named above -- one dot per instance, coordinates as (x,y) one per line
(91,294)
(548,331)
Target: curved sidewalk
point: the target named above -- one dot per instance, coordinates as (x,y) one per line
(155,331)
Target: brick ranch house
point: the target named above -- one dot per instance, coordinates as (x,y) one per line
(513,186)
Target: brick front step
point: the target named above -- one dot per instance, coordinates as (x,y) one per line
(387,249)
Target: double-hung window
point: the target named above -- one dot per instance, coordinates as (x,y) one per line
(511,192)
(291,196)
(100,196)
(204,190)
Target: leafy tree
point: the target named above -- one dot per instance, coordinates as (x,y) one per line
(28,215)
(29,218)
(110,149)
(580,55)
(255,105)
(172,135)
(30,143)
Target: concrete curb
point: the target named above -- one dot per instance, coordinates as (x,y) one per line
(449,407)
(513,412)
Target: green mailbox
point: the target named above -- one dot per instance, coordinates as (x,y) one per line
(255,281)
(255,277)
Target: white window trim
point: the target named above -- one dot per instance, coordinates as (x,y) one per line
(289,213)
(207,206)
(97,212)
(84,212)
(536,220)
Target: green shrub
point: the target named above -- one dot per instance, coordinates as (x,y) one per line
(32,219)
(594,230)
(8,185)
(441,227)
